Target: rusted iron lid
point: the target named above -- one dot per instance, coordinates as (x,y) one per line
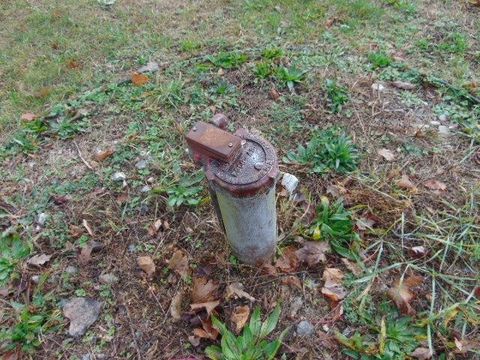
(253,170)
(213,143)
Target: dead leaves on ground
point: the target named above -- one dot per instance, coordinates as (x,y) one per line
(146,264)
(39,260)
(313,252)
(333,288)
(179,263)
(402,293)
(139,79)
(235,290)
(102,155)
(435,185)
(239,317)
(386,154)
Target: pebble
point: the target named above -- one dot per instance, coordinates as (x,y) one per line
(108,279)
(132,248)
(435,123)
(442,117)
(119,176)
(36,279)
(378,87)
(42,219)
(82,312)
(290,183)
(443,130)
(71,270)
(142,164)
(145,188)
(305,328)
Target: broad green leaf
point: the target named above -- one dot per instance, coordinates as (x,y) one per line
(255,322)
(270,323)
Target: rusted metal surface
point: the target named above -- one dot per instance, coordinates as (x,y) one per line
(253,171)
(211,142)
(242,170)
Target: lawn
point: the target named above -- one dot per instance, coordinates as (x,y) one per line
(373,105)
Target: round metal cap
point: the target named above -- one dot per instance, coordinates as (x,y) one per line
(254,169)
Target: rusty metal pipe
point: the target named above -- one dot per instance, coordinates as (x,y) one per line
(242,170)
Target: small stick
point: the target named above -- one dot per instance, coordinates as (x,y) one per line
(82,158)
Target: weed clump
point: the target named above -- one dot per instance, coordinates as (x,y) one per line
(328,150)
(252,343)
(335,224)
(337,95)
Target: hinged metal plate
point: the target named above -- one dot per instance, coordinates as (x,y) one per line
(212,142)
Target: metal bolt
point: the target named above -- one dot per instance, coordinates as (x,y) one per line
(230,144)
(258,165)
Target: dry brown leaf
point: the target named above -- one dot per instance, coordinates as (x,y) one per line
(292,281)
(28,117)
(204,290)
(404,85)
(433,184)
(313,252)
(39,260)
(85,255)
(4,292)
(240,316)
(146,264)
(268,269)
(179,264)
(365,223)
(103,154)
(419,251)
(386,154)
(333,288)
(354,268)
(209,306)
(405,183)
(274,94)
(75,231)
(288,262)
(139,79)
(422,353)
(12,355)
(236,290)
(176,306)
(464,346)
(401,293)
(207,331)
(154,228)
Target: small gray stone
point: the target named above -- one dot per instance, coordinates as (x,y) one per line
(151,66)
(443,130)
(142,164)
(290,183)
(86,357)
(145,189)
(132,248)
(443,117)
(108,279)
(70,269)
(42,219)
(35,279)
(82,312)
(119,176)
(435,122)
(378,87)
(305,328)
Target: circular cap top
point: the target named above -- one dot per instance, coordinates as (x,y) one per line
(254,168)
